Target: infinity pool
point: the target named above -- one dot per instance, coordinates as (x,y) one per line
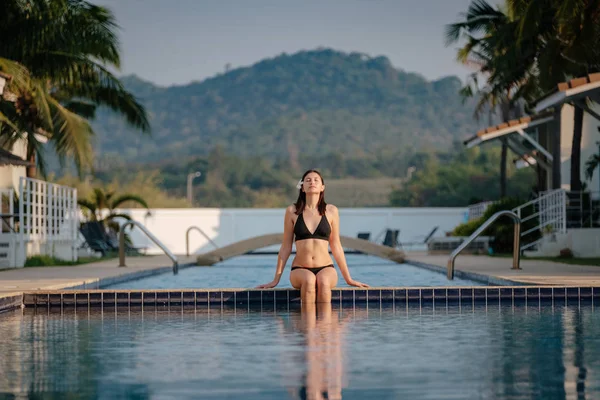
(540,352)
(252,270)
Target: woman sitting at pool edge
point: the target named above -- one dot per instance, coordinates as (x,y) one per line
(312,268)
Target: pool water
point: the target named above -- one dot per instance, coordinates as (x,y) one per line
(541,352)
(252,270)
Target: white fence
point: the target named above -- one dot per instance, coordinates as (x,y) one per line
(549,213)
(477,210)
(48,218)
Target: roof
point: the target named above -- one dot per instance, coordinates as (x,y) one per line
(508,127)
(8,158)
(578,88)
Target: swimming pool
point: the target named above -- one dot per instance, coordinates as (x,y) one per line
(540,351)
(252,270)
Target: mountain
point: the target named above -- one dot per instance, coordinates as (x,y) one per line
(309,104)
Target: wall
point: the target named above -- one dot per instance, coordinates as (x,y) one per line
(589,146)
(226,226)
(582,242)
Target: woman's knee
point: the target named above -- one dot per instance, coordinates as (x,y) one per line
(310,283)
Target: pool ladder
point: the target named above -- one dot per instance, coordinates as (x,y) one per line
(151,236)
(486,224)
(187,239)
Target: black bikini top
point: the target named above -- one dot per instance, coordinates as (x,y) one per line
(302,233)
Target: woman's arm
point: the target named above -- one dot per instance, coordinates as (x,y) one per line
(285,250)
(338,251)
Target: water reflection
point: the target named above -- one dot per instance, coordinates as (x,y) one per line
(318,353)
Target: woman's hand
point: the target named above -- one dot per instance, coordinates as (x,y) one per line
(352,282)
(269,285)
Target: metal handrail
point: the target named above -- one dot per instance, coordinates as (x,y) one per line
(486,224)
(151,236)
(187,239)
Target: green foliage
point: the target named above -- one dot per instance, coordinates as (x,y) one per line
(503,229)
(301,110)
(48,261)
(454,179)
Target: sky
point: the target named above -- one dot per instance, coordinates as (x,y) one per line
(174,42)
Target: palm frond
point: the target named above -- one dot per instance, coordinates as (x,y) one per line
(115,203)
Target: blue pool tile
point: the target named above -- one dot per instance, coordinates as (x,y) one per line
(414,295)
(95,299)
(573,293)
(466,293)
(175,298)
(439,294)
(479,294)
(347,295)
(215,297)
(559,292)
(427,295)
(135,298)
(189,297)
(546,293)
(506,293)
(453,294)
(281,297)
(596,291)
(585,293)
(533,294)
(162,298)
(335,295)
(295,296)
(493,294)
(81,299)
(149,298)
(519,293)
(268,296)
(400,296)
(241,299)
(255,297)
(228,297)
(123,298)
(68,299)
(374,296)
(360,295)
(55,299)
(387,296)
(201,298)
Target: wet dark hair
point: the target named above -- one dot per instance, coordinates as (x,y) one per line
(301,202)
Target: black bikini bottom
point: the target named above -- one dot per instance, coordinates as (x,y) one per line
(314,270)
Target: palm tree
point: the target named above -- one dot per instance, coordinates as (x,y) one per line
(108,200)
(60,79)
(590,166)
(488,32)
(562,38)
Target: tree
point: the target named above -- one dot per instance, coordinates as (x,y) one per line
(591,165)
(487,31)
(559,40)
(60,79)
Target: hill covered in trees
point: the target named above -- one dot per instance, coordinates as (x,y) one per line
(298,108)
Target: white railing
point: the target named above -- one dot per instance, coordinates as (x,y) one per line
(549,213)
(7,210)
(48,218)
(477,210)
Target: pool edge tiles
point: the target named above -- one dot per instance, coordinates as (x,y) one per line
(273,298)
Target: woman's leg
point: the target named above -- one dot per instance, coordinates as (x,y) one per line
(306,281)
(326,280)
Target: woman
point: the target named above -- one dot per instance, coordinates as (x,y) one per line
(315,224)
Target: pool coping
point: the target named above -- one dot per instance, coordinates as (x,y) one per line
(495,288)
(472,276)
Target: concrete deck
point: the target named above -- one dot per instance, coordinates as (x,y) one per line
(532,271)
(18,280)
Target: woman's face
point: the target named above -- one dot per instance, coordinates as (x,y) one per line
(313,183)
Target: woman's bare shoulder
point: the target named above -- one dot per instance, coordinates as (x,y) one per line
(332,209)
(291,209)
